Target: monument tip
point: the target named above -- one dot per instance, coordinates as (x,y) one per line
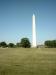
(33,14)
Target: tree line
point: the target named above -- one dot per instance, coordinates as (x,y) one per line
(50,43)
(24,43)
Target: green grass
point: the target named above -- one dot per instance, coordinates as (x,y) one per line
(24,61)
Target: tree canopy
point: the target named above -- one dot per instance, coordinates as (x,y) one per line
(3,44)
(50,43)
(11,45)
(25,43)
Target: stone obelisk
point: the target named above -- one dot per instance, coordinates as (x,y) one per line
(34,42)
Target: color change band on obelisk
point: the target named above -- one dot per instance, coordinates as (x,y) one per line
(34,42)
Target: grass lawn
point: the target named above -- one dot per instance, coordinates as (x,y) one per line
(28,61)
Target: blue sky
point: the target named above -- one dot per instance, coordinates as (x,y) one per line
(16,20)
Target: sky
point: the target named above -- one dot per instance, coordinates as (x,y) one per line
(16,20)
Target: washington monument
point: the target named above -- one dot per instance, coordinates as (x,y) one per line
(34,42)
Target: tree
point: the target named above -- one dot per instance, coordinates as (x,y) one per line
(3,44)
(50,43)
(25,43)
(0,44)
(54,43)
(18,45)
(11,45)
